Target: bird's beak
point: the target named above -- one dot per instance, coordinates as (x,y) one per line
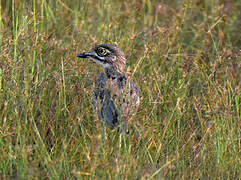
(84,55)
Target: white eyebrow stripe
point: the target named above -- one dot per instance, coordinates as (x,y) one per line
(102,58)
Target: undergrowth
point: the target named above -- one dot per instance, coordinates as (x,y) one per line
(185,57)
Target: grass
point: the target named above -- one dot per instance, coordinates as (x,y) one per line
(185,57)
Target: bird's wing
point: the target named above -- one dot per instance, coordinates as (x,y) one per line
(103,101)
(109,113)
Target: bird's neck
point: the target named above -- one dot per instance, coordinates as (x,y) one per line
(113,73)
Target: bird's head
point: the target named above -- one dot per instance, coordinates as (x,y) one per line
(107,55)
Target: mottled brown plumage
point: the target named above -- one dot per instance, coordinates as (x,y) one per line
(115,96)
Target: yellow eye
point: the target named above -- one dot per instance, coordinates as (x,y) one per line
(101,52)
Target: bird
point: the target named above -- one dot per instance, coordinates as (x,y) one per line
(116,96)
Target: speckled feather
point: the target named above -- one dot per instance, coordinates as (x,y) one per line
(115,97)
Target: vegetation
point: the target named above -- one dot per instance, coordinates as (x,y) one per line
(185,57)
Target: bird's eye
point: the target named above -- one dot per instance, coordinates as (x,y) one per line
(101,52)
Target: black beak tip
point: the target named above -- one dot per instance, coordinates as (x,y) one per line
(81,55)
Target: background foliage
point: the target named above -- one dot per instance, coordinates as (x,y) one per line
(184,55)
